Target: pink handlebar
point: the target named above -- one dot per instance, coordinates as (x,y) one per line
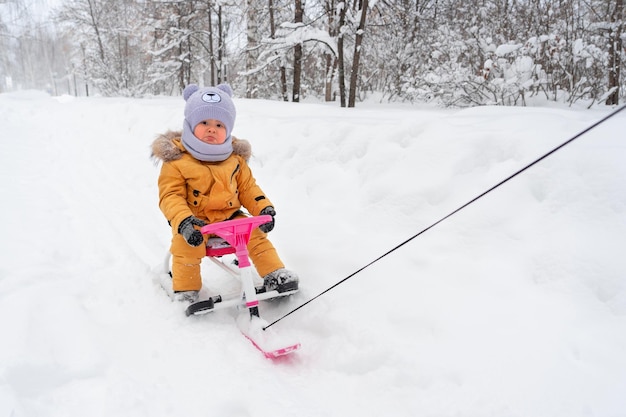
(237,233)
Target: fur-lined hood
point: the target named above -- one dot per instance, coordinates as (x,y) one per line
(167,147)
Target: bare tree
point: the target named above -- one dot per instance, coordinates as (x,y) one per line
(211,49)
(282,69)
(330,58)
(341,67)
(354,74)
(221,47)
(297,55)
(615,51)
(252,47)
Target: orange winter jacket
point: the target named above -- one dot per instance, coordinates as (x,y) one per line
(211,191)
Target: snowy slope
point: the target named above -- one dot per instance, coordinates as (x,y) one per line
(515,306)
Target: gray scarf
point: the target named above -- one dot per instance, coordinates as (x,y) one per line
(205,151)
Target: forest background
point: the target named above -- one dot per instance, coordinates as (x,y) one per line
(456,53)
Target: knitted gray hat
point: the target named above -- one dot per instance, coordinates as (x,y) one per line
(208,103)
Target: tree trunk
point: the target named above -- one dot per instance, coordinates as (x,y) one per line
(354,75)
(283,71)
(331,66)
(221,76)
(94,23)
(252,49)
(283,83)
(211,51)
(340,58)
(331,59)
(615,51)
(297,57)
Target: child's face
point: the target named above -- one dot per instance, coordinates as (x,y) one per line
(210,131)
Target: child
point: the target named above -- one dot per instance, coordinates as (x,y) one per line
(205,178)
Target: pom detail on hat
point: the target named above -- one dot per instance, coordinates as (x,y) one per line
(226,88)
(189,90)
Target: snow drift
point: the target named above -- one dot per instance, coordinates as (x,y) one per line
(515,306)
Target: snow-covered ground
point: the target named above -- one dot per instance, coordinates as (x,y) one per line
(514,307)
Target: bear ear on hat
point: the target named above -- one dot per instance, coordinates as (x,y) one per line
(226,88)
(189,90)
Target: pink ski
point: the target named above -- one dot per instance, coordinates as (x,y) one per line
(269,343)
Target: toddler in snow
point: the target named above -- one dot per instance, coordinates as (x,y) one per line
(205,178)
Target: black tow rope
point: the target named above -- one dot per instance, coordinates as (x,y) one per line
(536,161)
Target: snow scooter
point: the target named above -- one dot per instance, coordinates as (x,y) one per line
(232,237)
